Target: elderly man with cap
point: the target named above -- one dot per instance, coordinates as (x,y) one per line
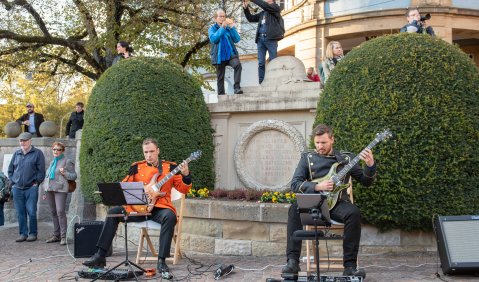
(31,121)
(26,171)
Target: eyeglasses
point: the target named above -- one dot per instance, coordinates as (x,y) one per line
(29,106)
(57,149)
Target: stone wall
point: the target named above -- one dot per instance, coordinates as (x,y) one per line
(259,229)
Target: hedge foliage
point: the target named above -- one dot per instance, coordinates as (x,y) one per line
(139,98)
(427,92)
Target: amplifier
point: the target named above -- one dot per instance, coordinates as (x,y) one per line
(458,243)
(85,237)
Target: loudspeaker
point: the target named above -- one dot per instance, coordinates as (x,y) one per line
(85,238)
(458,243)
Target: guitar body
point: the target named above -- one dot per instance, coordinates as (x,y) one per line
(151,196)
(332,196)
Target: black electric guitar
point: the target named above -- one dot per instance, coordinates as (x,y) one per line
(337,177)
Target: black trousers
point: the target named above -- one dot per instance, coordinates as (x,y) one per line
(344,212)
(165,217)
(220,74)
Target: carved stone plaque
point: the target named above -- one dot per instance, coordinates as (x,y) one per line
(267,154)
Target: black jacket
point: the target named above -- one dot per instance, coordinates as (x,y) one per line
(274,21)
(312,166)
(74,123)
(38,120)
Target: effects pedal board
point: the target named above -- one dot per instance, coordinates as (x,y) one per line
(303,277)
(325,278)
(115,274)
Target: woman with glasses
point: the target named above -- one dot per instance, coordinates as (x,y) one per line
(55,192)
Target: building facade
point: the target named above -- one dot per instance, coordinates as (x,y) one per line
(311,24)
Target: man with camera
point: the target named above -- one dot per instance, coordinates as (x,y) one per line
(223,37)
(417,23)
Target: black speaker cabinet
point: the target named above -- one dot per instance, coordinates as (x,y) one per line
(458,243)
(85,238)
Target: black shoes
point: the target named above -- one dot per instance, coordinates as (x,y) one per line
(95,261)
(292,267)
(238,91)
(353,271)
(163,269)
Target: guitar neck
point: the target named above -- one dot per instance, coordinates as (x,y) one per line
(340,175)
(165,179)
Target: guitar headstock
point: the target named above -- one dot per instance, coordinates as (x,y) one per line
(384,135)
(195,155)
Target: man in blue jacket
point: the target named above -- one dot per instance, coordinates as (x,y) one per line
(270,30)
(223,36)
(26,171)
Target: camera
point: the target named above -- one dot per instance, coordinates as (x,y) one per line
(426,17)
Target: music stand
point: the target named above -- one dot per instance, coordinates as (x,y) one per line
(119,194)
(313,210)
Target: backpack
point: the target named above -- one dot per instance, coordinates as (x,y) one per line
(5,188)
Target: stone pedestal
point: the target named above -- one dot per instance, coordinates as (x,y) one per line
(260,134)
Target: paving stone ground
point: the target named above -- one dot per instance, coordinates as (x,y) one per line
(39,261)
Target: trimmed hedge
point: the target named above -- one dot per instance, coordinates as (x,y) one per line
(427,92)
(139,98)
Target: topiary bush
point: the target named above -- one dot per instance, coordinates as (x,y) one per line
(139,98)
(427,92)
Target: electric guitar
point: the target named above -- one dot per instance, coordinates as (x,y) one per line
(153,189)
(337,177)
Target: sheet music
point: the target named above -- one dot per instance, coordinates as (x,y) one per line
(134,194)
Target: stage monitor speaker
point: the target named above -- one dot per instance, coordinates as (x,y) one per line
(85,238)
(458,243)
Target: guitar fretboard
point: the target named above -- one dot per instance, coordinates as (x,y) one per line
(165,179)
(340,175)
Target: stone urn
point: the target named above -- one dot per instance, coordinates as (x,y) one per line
(48,128)
(12,129)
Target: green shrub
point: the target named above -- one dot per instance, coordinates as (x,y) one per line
(139,98)
(426,91)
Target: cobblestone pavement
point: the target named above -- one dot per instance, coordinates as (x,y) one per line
(39,261)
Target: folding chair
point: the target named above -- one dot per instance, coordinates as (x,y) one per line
(152,225)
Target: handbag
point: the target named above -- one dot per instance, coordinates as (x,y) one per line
(72,185)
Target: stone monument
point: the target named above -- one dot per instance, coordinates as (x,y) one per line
(260,134)
(12,129)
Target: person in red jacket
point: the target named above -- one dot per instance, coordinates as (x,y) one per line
(163,212)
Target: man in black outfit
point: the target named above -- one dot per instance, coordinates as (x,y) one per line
(317,164)
(31,121)
(270,30)
(75,122)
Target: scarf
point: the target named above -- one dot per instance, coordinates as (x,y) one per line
(53,167)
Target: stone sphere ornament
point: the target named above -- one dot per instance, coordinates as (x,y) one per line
(48,128)
(12,129)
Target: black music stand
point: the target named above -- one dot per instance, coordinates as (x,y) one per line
(313,210)
(119,194)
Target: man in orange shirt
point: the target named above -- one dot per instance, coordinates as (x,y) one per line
(163,212)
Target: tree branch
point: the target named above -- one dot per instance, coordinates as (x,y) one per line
(74,64)
(197,47)
(87,19)
(35,15)
(20,48)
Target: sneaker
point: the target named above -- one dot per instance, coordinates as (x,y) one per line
(292,267)
(353,271)
(53,239)
(238,91)
(21,238)
(63,241)
(31,238)
(95,261)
